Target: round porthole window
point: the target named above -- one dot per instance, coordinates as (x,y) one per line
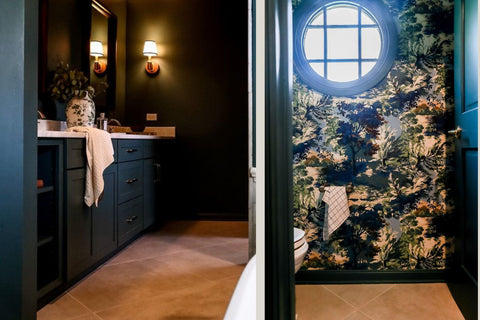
(343,48)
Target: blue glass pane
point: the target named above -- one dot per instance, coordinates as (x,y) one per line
(342,71)
(342,43)
(367,66)
(366,19)
(319,68)
(318,20)
(342,15)
(371,43)
(313,44)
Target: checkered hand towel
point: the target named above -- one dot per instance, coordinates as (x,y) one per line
(336,211)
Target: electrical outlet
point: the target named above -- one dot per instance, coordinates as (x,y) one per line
(151,117)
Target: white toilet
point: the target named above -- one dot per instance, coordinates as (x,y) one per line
(300,247)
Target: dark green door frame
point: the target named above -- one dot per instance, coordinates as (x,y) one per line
(464,286)
(279,262)
(18,105)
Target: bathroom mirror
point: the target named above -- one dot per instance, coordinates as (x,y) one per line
(65,30)
(104,30)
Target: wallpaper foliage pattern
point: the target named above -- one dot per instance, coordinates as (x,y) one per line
(389,144)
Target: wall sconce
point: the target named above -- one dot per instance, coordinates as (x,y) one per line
(149,50)
(96,50)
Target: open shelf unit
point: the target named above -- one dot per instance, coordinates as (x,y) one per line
(50,273)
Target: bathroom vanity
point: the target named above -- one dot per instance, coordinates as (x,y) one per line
(73,239)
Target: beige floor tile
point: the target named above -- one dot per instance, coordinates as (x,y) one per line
(358,294)
(210,302)
(146,247)
(203,265)
(91,316)
(186,270)
(237,254)
(315,302)
(121,283)
(61,309)
(423,301)
(357,315)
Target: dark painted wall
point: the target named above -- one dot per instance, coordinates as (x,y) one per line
(201,89)
(64,33)
(18,89)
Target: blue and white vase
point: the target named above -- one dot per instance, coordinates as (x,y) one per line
(80,111)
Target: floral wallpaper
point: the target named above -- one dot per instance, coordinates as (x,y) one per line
(389,146)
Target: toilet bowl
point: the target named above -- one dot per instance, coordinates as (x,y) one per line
(300,247)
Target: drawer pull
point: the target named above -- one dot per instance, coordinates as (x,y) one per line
(131,150)
(130,181)
(130,220)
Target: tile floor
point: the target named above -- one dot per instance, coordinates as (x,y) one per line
(422,301)
(186,270)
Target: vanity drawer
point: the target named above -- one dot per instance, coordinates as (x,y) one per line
(130,219)
(129,150)
(130,180)
(76,154)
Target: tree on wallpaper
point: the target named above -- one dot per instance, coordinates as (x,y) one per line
(390,143)
(358,132)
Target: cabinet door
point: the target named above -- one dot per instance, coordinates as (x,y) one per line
(151,173)
(79,224)
(130,219)
(104,231)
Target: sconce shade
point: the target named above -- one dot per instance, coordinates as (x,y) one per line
(96,49)
(150,48)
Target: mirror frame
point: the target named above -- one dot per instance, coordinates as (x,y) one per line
(111,49)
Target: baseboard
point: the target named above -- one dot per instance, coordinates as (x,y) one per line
(370,276)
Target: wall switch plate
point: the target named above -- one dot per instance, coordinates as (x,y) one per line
(151,117)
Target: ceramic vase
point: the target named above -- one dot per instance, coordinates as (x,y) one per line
(60,110)
(80,111)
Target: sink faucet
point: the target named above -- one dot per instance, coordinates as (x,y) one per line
(115,121)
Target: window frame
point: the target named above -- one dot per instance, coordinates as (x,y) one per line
(388,32)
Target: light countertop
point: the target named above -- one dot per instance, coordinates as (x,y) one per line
(116,135)
(56,129)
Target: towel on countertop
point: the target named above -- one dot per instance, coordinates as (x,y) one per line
(336,211)
(99,157)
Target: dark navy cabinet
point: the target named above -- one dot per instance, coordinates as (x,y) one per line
(91,232)
(152,169)
(50,272)
(78,224)
(130,189)
(104,217)
(73,238)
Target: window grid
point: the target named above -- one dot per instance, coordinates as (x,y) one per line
(358,26)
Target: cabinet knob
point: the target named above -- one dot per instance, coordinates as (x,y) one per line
(130,220)
(130,181)
(131,150)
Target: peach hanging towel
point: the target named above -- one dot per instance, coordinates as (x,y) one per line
(336,210)
(99,151)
